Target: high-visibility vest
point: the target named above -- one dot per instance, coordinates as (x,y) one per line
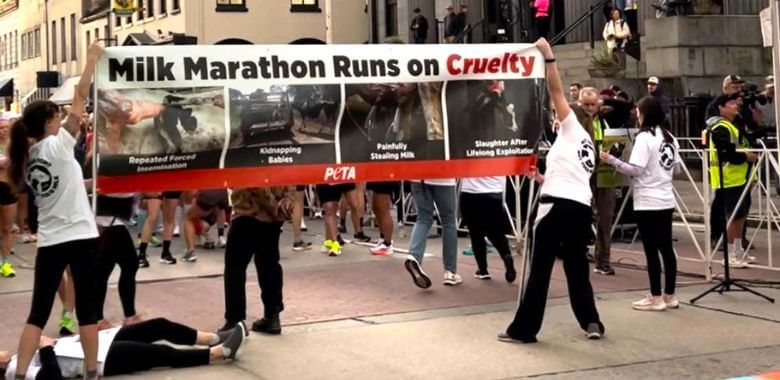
(598,129)
(734,175)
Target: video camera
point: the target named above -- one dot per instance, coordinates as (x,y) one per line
(752,94)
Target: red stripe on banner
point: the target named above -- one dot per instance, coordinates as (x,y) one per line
(314,174)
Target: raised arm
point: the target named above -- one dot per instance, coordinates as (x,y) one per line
(81,93)
(554,84)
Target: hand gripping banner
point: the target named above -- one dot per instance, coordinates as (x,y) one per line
(201,117)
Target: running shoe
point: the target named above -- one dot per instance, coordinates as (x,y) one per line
(649,303)
(335,249)
(301,245)
(451,278)
(190,257)
(482,275)
(671,301)
(6,270)
(361,237)
(221,242)
(382,249)
(326,246)
(167,259)
(67,325)
(143,262)
(419,276)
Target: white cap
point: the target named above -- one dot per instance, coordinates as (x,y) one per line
(653,80)
(5,116)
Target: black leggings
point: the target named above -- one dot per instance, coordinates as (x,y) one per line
(50,263)
(484,216)
(656,229)
(562,230)
(248,238)
(115,246)
(133,350)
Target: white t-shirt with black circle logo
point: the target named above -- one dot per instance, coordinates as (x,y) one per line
(653,189)
(56,179)
(570,163)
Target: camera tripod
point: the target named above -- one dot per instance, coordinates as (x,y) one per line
(727,283)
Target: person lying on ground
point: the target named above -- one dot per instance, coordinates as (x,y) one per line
(130,349)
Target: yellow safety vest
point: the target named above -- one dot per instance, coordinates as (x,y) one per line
(734,175)
(598,131)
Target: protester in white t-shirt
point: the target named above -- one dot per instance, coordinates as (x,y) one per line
(41,154)
(482,208)
(654,158)
(563,222)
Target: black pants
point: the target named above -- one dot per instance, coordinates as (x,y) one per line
(50,263)
(656,229)
(562,230)
(633,22)
(133,350)
(542,27)
(249,237)
(115,246)
(484,214)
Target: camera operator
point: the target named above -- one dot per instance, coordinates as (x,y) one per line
(728,143)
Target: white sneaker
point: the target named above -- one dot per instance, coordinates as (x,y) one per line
(671,301)
(381,249)
(649,303)
(452,279)
(222,242)
(176,231)
(736,262)
(318,215)
(747,258)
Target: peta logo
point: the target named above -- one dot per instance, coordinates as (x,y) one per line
(344,173)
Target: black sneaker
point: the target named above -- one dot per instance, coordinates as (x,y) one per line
(340,240)
(301,245)
(143,262)
(594,332)
(362,237)
(227,328)
(342,229)
(418,276)
(482,275)
(65,332)
(167,258)
(504,337)
(233,341)
(270,325)
(604,270)
(510,275)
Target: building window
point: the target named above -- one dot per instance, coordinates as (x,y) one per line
(305,6)
(24,46)
(16,48)
(175,7)
(150,8)
(391,18)
(141,9)
(37,47)
(54,42)
(73,56)
(107,35)
(97,34)
(118,21)
(163,7)
(89,39)
(64,55)
(231,6)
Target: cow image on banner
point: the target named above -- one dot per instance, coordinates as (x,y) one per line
(177,118)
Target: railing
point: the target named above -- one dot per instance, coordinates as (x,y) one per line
(587,16)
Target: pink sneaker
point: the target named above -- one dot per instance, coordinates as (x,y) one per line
(382,249)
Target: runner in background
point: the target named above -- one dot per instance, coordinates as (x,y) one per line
(381,202)
(7,198)
(298,224)
(208,207)
(354,202)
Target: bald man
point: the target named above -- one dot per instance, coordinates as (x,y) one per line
(604,198)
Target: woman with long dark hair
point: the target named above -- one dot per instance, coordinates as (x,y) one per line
(563,221)
(654,158)
(41,154)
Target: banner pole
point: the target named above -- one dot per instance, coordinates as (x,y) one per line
(94,138)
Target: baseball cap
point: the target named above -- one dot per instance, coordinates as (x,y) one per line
(653,80)
(4,116)
(736,79)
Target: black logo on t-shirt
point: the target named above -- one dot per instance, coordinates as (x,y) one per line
(587,155)
(40,179)
(667,156)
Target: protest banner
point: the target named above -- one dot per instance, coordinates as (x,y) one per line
(199,117)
